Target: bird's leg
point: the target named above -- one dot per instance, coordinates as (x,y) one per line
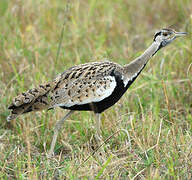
(98,126)
(56,131)
(99,138)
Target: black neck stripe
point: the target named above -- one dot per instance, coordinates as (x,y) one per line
(157,34)
(160,46)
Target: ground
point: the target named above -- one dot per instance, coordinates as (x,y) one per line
(148,132)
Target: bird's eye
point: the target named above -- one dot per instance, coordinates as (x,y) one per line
(165,34)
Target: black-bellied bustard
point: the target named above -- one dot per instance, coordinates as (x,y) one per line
(88,87)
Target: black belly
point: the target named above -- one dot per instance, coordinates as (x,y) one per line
(101,106)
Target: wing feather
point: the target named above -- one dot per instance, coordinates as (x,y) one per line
(93,91)
(82,84)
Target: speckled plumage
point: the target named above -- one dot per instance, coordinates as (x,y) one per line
(82,84)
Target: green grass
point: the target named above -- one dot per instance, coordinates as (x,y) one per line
(154,117)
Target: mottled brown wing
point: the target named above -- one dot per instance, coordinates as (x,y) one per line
(85,91)
(83,84)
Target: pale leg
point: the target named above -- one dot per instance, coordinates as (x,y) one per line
(56,131)
(99,138)
(98,126)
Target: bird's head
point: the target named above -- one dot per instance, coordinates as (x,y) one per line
(166,36)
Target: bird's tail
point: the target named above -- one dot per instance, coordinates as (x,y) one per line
(34,99)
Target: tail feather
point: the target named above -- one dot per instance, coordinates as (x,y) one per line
(33,100)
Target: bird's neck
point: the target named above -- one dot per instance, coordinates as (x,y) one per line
(132,70)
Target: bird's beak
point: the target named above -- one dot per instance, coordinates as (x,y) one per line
(178,34)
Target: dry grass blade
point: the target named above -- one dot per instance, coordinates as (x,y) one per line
(188,69)
(66,17)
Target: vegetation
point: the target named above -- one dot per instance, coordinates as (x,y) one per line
(150,127)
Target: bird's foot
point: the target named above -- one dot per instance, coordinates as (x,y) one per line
(50,154)
(101,154)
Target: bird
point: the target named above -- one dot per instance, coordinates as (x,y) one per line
(94,86)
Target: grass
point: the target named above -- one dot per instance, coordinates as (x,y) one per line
(150,127)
